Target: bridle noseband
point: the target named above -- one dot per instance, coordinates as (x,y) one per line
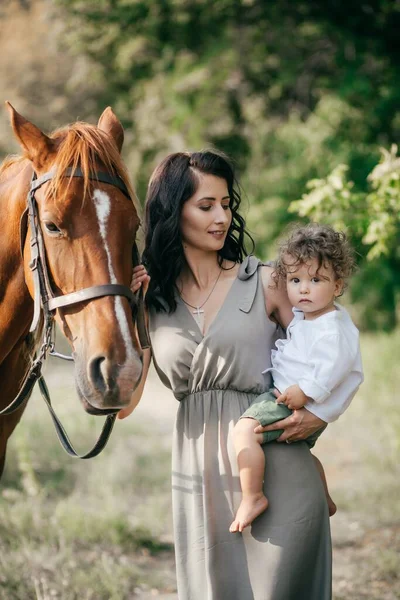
(46,302)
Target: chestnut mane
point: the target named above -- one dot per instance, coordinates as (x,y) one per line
(84,146)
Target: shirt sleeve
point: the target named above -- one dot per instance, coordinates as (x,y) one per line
(331,411)
(330,359)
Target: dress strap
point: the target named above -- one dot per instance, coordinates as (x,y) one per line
(248,272)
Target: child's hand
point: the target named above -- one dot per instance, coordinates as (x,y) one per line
(294,398)
(140,278)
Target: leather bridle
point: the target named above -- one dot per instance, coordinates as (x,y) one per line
(46,303)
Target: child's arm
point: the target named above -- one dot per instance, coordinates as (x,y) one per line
(293,397)
(330,360)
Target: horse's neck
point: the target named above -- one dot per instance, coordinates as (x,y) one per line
(15,301)
(14,187)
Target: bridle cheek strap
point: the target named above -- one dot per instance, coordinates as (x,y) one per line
(96,291)
(44,297)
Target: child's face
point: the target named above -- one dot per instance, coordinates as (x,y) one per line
(312,290)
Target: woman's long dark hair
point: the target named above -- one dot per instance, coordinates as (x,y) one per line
(173,182)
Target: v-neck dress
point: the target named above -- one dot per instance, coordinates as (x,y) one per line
(286,553)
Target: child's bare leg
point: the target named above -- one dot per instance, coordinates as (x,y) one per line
(251,463)
(331,505)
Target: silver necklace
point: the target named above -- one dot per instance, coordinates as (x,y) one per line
(198,314)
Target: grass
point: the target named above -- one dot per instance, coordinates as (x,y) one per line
(361,452)
(101,529)
(371,430)
(83,529)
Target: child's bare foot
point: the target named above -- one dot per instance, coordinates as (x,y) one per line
(332,508)
(250,507)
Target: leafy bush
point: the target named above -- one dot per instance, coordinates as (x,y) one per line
(372,220)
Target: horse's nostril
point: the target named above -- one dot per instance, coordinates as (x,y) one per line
(98,373)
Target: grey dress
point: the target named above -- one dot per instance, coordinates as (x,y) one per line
(286,553)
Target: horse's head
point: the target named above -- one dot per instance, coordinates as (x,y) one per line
(88,229)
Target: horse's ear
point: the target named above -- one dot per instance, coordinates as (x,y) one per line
(109,123)
(36,144)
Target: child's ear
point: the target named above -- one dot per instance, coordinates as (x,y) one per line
(338,287)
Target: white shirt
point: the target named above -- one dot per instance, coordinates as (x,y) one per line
(322,356)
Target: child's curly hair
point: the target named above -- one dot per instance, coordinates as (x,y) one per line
(306,242)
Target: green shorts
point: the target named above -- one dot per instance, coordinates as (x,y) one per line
(266,411)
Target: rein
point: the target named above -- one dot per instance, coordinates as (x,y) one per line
(46,302)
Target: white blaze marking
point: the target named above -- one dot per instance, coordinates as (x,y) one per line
(102,204)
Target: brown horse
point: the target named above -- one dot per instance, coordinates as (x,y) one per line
(88,229)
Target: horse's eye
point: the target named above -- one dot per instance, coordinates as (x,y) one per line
(51,227)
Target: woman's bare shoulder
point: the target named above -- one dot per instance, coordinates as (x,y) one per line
(277,303)
(266,272)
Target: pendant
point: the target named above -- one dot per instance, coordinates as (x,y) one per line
(198,315)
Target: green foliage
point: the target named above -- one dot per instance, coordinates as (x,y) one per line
(372,220)
(374,217)
(290,90)
(189,74)
(186,75)
(383,208)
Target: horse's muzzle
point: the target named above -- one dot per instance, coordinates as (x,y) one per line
(104,386)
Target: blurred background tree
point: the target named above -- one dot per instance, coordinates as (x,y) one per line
(304,96)
(290,90)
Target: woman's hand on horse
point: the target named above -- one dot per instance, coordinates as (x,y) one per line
(298,426)
(125,412)
(139,279)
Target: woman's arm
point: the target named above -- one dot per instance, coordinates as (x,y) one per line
(137,394)
(298,426)
(139,278)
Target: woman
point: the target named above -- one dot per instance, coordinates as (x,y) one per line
(213,319)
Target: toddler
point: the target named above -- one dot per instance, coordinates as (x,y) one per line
(318,366)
